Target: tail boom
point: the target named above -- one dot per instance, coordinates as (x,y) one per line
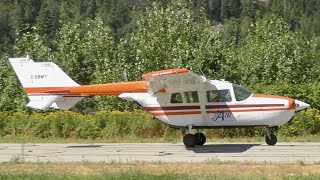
(87,90)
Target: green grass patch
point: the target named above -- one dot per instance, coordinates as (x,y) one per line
(143,170)
(141,176)
(120,176)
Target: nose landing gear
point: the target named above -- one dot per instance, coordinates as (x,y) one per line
(271,139)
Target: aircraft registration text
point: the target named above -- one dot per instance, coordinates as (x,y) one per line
(38,76)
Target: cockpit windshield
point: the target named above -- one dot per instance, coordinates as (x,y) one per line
(240,92)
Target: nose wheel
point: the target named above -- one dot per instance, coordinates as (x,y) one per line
(271,139)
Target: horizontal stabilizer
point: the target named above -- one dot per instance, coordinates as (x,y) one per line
(42,102)
(65,103)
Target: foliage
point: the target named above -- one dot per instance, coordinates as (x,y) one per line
(272,54)
(116,124)
(10,89)
(306,122)
(169,37)
(309,93)
(270,46)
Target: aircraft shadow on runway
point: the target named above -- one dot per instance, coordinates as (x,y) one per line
(222,148)
(84,146)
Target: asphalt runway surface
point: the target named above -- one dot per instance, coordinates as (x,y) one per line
(161,152)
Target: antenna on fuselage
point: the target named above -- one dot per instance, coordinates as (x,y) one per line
(203,74)
(28,57)
(125,75)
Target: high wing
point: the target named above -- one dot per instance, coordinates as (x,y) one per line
(171,80)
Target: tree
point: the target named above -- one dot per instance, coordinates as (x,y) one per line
(170,38)
(86,53)
(274,54)
(12,96)
(48,19)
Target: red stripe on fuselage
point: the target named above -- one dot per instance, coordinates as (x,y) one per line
(171,108)
(175,113)
(249,110)
(243,106)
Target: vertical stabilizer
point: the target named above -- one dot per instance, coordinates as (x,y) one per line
(35,76)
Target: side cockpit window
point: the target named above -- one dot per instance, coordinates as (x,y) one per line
(219,96)
(241,93)
(176,98)
(191,97)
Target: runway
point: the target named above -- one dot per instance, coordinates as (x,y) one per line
(161,152)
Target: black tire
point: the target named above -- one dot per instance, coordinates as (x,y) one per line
(201,138)
(189,140)
(272,140)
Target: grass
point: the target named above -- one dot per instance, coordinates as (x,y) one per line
(120,176)
(142,176)
(130,139)
(141,170)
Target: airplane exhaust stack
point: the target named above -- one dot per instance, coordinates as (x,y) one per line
(299,105)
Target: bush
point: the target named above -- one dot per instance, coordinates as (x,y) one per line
(116,124)
(305,122)
(308,93)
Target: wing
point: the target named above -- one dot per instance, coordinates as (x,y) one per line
(171,80)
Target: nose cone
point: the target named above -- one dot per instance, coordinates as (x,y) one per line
(299,105)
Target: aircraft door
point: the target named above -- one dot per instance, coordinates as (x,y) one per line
(218,107)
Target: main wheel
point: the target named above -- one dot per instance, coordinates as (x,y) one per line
(189,140)
(272,140)
(201,138)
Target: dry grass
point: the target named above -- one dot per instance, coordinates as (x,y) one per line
(218,168)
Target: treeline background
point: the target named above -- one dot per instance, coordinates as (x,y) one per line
(270,46)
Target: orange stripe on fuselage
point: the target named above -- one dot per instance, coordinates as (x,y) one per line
(98,89)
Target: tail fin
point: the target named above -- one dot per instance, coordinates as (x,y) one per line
(35,76)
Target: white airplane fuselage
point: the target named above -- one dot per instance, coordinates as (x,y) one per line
(255,110)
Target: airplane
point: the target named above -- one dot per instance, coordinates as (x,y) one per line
(177,97)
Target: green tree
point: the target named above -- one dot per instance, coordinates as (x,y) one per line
(86,53)
(170,38)
(12,96)
(274,54)
(48,19)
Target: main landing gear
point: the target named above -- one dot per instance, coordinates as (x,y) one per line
(191,140)
(271,139)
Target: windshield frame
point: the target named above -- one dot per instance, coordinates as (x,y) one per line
(241,93)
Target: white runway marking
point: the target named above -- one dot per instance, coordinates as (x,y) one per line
(161,152)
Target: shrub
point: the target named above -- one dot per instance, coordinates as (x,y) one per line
(117,124)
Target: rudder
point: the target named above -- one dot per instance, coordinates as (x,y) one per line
(37,76)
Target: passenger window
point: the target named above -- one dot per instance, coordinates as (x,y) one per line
(176,98)
(212,96)
(219,96)
(191,97)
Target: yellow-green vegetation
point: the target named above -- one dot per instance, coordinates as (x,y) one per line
(141,170)
(135,126)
